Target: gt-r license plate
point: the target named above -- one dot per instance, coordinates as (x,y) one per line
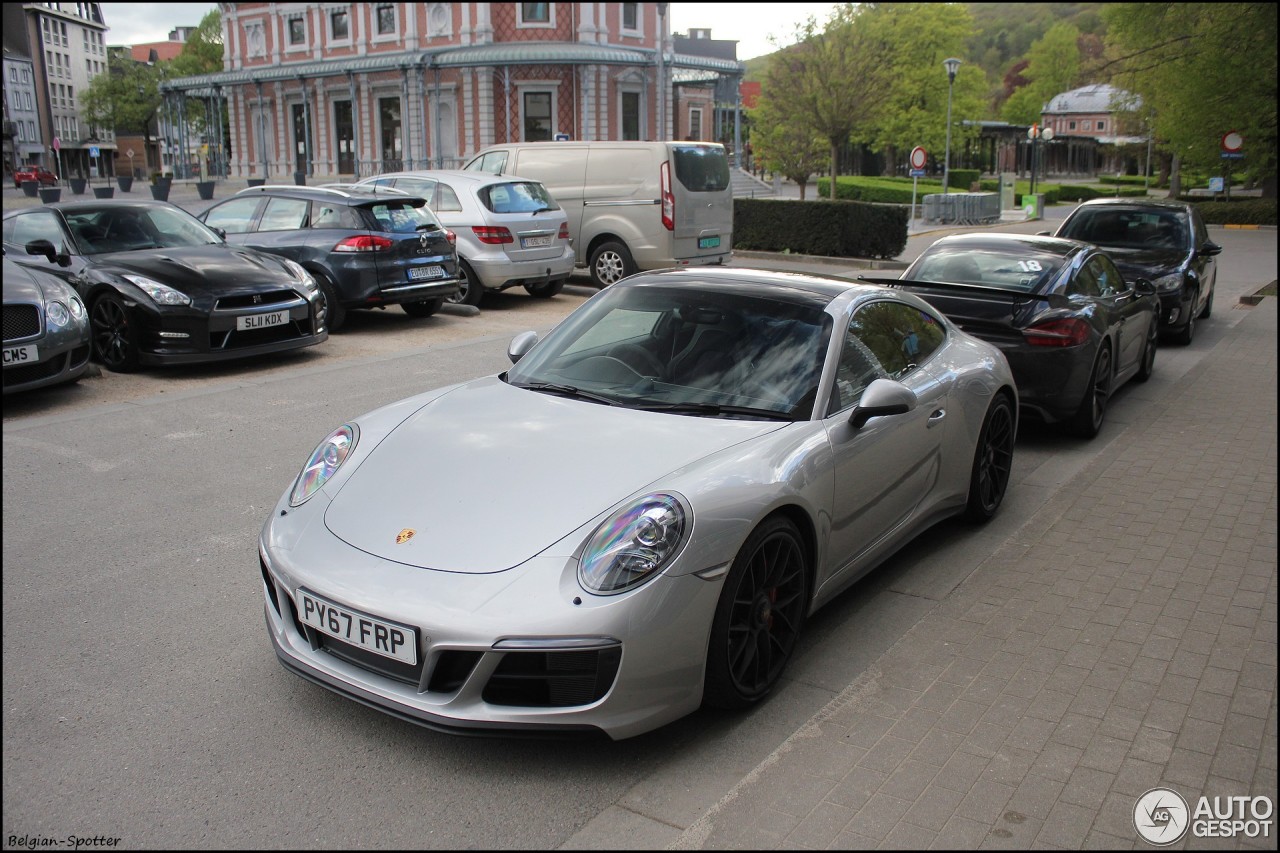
(708,242)
(29,354)
(420,273)
(389,639)
(261,321)
(535,242)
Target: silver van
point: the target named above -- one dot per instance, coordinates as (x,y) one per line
(631,205)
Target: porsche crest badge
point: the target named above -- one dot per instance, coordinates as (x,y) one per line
(405,535)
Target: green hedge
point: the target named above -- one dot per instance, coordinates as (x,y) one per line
(1123,179)
(840,229)
(1250,211)
(1082,192)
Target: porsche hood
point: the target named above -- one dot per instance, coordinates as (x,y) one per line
(488,476)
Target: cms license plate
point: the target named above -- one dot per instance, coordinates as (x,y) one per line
(261,321)
(708,242)
(398,642)
(21,355)
(420,273)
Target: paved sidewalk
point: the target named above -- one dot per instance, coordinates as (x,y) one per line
(1074,670)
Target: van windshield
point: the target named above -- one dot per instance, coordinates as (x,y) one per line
(701,168)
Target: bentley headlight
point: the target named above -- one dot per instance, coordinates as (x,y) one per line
(325,461)
(300,273)
(1168,283)
(161,294)
(57,314)
(77,308)
(633,544)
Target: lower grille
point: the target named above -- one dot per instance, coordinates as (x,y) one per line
(34,372)
(21,321)
(255,300)
(553,679)
(393,669)
(234,339)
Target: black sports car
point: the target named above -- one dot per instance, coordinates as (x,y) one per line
(1163,241)
(1071,327)
(162,288)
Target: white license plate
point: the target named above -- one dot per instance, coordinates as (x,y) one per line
(419,273)
(262,321)
(535,242)
(708,242)
(21,355)
(398,642)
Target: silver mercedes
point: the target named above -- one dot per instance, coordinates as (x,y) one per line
(638,516)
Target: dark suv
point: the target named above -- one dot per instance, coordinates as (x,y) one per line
(364,250)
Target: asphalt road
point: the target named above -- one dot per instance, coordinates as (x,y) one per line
(142,700)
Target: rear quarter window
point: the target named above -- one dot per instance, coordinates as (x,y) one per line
(701,168)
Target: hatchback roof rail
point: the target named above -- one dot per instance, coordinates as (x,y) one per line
(294,187)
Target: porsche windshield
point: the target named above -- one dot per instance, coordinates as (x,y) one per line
(716,352)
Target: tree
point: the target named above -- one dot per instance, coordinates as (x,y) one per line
(123,98)
(785,142)
(202,54)
(1053,67)
(837,77)
(1202,69)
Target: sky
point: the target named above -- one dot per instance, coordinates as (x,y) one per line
(750,24)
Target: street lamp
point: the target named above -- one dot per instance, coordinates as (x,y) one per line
(952,65)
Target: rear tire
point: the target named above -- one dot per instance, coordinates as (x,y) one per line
(423,308)
(992,462)
(546,290)
(759,616)
(610,262)
(1087,420)
(470,290)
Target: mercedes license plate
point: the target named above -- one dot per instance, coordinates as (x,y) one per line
(389,639)
(535,242)
(262,321)
(708,242)
(420,273)
(21,355)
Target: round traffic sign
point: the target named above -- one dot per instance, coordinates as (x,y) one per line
(57,144)
(919,157)
(1232,142)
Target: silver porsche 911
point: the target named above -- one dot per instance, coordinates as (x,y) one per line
(637,517)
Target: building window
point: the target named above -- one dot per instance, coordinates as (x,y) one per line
(695,124)
(339,26)
(535,14)
(389,122)
(386,20)
(1071,125)
(631,115)
(1102,125)
(297,31)
(537,116)
(630,16)
(345,135)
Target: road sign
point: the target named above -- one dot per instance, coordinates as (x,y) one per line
(57,144)
(129,153)
(917,173)
(1216,185)
(93,152)
(919,157)
(562,137)
(1232,142)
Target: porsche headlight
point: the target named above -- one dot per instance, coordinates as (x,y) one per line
(1168,283)
(633,544)
(300,273)
(57,314)
(325,461)
(161,294)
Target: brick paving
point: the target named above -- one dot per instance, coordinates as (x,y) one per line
(1123,639)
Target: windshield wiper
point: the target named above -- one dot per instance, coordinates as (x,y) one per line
(717,410)
(566,391)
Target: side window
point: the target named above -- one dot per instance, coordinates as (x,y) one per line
(1083,283)
(284,214)
(325,215)
(885,340)
(1202,233)
(234,217)
(40,225)
(418,186)
(494,162)
(1104,273)
(446,200)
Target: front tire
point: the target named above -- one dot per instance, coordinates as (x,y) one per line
(759,616)
(115,342)
(1208,305)
(611,262)
(992,462)
(1087,420)
(1187,333)
(334,312)
(1148,365)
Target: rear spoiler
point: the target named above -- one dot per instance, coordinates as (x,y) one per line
(1055,300)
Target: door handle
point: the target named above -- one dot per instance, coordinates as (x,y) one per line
(936,418)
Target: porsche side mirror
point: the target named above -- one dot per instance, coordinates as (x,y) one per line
(1210,248)
(45,247)
(882,397)
(520,345)
(219,231)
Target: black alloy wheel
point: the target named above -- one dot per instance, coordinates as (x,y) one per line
(1148,365)
(114,342)
(1087,420)
(759,616)
(470,290)
(334,312)
(992,462)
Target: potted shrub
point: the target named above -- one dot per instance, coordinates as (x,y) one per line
(125,182)
(104,192)
(78,185)
(257,182)
(49,195)
(205,188)
(30,187)
(160,190)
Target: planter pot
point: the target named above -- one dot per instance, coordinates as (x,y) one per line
(104,192)
(300,178)
(160,192)
(78,185)
(125,182)
(49,195)
(205,188)
(30,187)
(257,182)
(167,180)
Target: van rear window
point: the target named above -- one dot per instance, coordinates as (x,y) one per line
(701,168)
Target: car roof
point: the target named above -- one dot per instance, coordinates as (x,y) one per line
(459,175)
(786,286)
(97,204)
(1163,204)
(349,194)
(1061,246)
